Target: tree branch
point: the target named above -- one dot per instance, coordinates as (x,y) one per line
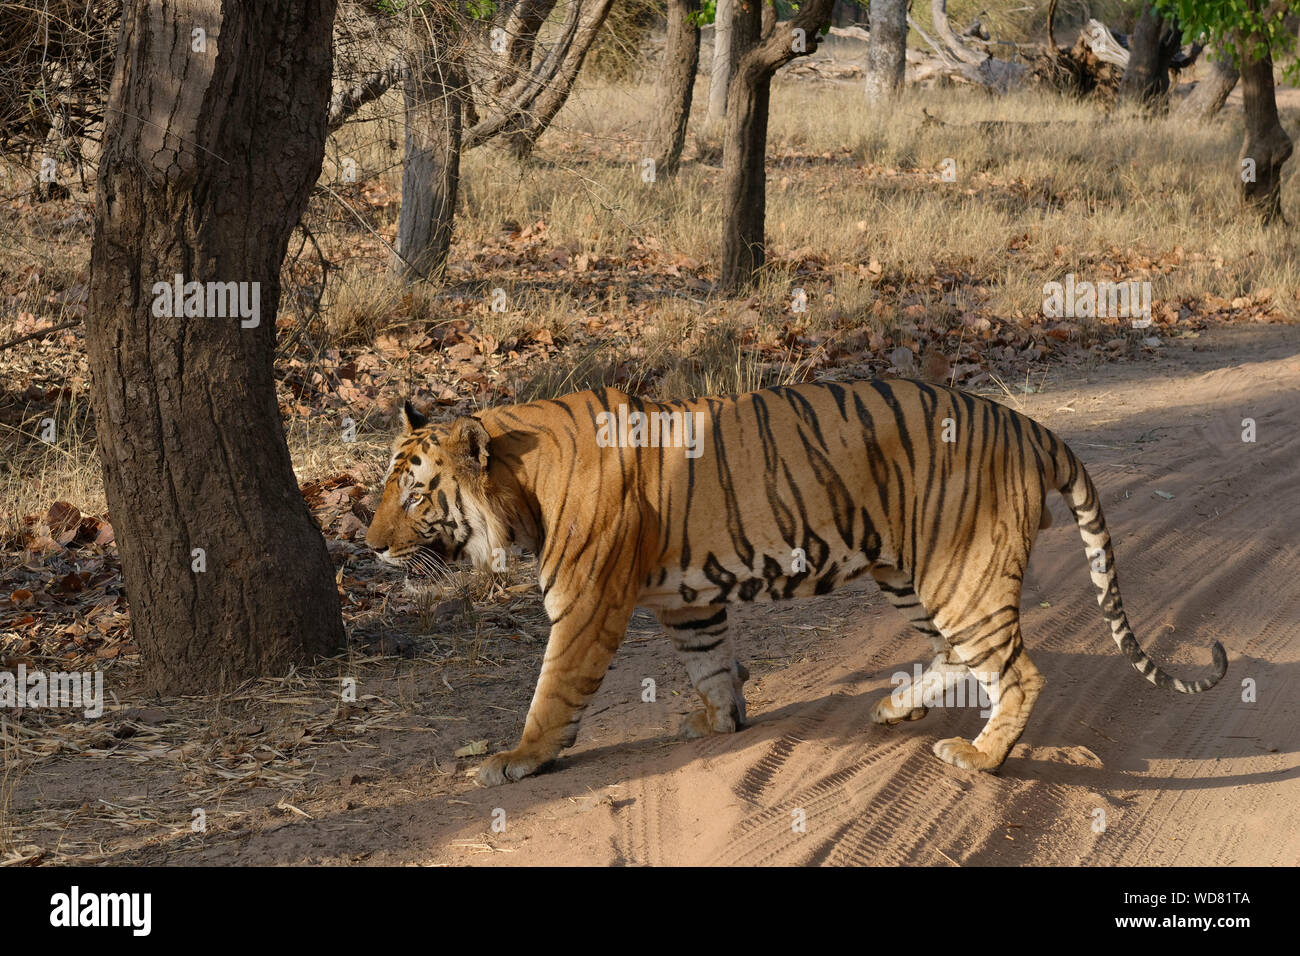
(779,47)
(345,103)
(939,15)
(39,333)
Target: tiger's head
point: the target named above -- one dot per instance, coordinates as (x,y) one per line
(439,503)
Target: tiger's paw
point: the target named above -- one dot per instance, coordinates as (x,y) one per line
(885,711)
(964,754)
(508,766)
(708,720)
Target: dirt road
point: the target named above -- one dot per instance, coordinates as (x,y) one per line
(1110,771)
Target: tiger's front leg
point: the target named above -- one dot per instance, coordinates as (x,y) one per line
(587,627)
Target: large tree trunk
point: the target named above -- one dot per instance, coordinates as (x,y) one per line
(208,162)
(1207,98)
(681,61)
(1266,142)
(723,66)
(1146,78)
(886,50)
(434,88)
(744,173)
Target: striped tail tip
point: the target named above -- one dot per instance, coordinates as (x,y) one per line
(1205,683)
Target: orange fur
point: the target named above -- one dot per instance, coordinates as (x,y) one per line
(935,493)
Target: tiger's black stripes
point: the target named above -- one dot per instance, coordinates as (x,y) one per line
(1081,496)
(789,492)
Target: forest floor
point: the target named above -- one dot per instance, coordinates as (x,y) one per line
(878,265)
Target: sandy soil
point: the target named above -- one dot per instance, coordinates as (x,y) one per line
(1206,529)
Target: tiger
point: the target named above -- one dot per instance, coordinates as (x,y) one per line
(686,507)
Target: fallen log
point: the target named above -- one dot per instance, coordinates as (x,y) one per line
(1094,65)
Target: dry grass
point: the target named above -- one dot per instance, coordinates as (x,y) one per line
(10,771)
(34,473)
(847,182)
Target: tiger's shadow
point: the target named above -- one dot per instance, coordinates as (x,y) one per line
(1061,745)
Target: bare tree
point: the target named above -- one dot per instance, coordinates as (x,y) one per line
(207,165)
(522,23)
(963,59)
(744,173)
(677,87)
(521,92)
(532,115)
(886,49)
(445,60)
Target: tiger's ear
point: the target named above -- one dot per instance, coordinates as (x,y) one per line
(467,444)
(413,418)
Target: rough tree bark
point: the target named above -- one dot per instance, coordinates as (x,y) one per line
(886,50)
(1207,98)
(434,88)
(744,173)
(209,159)
(1266,142)
(681,61)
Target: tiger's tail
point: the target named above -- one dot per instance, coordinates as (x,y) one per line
(1075,485)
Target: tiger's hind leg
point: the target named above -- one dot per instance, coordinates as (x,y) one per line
(700,636)
(994,650)
(908,701)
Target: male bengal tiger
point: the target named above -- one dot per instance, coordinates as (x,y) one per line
(683,507)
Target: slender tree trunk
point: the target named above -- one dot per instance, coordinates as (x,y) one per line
(434,88)
(530,127)
(1266,142)
(55,153)
(723,65)
(886,49)
(1146,79)
(208,162)
(744,173)
(521,26)
(1207,98)
(681,61)
(525,109)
